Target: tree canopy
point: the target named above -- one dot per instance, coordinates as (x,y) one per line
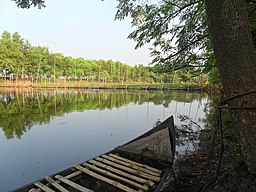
(21,60)
(176,29)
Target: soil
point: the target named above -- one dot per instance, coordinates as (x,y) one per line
(204,170)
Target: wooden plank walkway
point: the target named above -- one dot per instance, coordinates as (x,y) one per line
(112,169)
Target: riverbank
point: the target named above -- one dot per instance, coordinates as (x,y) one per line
(212,168)
(95,85)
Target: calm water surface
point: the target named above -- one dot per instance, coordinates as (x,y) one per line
(42,132)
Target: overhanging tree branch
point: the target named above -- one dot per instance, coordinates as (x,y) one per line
(184,48)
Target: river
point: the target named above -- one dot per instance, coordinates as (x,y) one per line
(45,131)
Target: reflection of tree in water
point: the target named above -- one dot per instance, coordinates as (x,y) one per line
(187,135)
(20,109)
(189,131)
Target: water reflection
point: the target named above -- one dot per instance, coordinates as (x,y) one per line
(45,131)
(21,109)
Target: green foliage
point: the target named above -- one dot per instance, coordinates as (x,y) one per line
(177,30)
(214,76)
(37,63)
(12,51)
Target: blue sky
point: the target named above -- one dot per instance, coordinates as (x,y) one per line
(83,28)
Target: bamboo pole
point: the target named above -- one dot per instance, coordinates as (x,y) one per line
(43,187)
(107,173)
(130,170)
(109,181)
(131,165)
(70,176)
(136,163)
(55,184)
(72,184)
(133,177)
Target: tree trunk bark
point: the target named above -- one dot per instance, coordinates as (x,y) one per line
(235,55)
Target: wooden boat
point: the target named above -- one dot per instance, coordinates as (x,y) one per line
(142,164)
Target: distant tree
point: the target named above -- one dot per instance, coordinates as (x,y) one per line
(5,43)
(12,51)
(38,59)
(110,65)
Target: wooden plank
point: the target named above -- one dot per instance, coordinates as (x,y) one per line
(107,173)
(130,176)
(136,163)
(109,181)
(70,176)
(130,170)
(43,187)
(72,184)
(55,184)
(131,165)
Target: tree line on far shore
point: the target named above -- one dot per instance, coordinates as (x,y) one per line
(20,60)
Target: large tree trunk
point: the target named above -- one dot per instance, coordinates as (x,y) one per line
(236,59)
